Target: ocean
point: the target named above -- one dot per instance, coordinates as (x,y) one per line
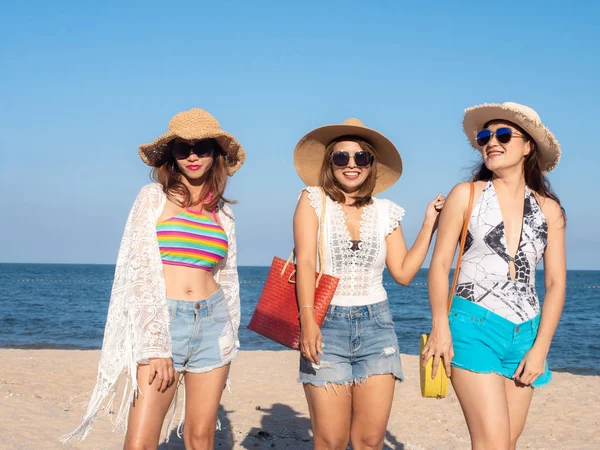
(64,306)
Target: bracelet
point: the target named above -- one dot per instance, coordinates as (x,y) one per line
(302,309)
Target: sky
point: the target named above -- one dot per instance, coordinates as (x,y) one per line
(83,84)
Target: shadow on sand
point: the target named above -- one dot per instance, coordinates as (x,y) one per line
(280,427)
(223,437)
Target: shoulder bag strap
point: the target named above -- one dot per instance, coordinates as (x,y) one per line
(321,245)
(321,232)
(463,239)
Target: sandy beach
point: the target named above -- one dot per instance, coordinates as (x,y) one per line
(266,408)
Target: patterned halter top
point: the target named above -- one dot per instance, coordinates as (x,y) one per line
(485,277)
(191,239)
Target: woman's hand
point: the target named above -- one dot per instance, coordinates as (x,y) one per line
(439,345)
(311,340)
(433,209)
(161,371)
(531,367)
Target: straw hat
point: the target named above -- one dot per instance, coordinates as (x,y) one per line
(521,115)
(194,124)
(310,151)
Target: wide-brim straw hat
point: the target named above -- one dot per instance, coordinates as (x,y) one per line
(194,124)
(310,151)
(525,117)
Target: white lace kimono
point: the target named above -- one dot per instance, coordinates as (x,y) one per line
(137,326)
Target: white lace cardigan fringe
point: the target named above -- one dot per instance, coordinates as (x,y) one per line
(137,325)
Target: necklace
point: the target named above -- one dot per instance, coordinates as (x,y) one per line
(352,212)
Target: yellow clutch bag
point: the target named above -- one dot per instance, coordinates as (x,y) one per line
(438,387)
(432,387)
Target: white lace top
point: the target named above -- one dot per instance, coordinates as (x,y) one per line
(137,325)
(360,270)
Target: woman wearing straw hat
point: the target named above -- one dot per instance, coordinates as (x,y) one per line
(496,337)
(350,163)
(175,309)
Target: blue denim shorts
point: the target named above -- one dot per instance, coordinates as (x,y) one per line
(485,342)
(358,342)
(202,336)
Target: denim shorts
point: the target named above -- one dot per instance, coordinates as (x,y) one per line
(202,336)
(358,342)
(485,342)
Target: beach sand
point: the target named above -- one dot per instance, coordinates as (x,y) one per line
(266,408)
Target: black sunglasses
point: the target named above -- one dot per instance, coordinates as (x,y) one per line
(503,135)
(361,158)
(202,149)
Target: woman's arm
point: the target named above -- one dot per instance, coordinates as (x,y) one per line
(228,272)
(439,344)
(555,279)
(555,276)
(402,263)
(306,229)
(137,325)
(147,299)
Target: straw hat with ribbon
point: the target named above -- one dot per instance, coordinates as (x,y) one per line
(310,151)
(525,117)
(195,124)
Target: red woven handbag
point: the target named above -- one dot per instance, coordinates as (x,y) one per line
(276,314)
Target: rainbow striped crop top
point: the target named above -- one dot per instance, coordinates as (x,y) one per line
(191,239)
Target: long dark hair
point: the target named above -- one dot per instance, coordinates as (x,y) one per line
(169,176)
(534,177)
(331,186)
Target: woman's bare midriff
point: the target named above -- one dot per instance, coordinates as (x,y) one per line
(186,283)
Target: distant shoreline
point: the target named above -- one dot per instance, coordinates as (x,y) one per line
(33,293)
(578,371)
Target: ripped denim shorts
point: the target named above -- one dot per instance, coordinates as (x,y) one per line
(358,342)
(202,336)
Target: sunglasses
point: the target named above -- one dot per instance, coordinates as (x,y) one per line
(202,149)
(503,135)
(361,158)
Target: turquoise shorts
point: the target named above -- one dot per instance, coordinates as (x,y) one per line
(485,342)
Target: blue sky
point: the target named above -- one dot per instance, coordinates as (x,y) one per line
(83,85)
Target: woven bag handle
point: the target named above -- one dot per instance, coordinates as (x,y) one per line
(321,247)
(463,240)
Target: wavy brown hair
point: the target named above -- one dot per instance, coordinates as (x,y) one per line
(333,188)
(534,177)
(169,176)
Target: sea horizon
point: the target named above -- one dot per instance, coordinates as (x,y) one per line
(239,266)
